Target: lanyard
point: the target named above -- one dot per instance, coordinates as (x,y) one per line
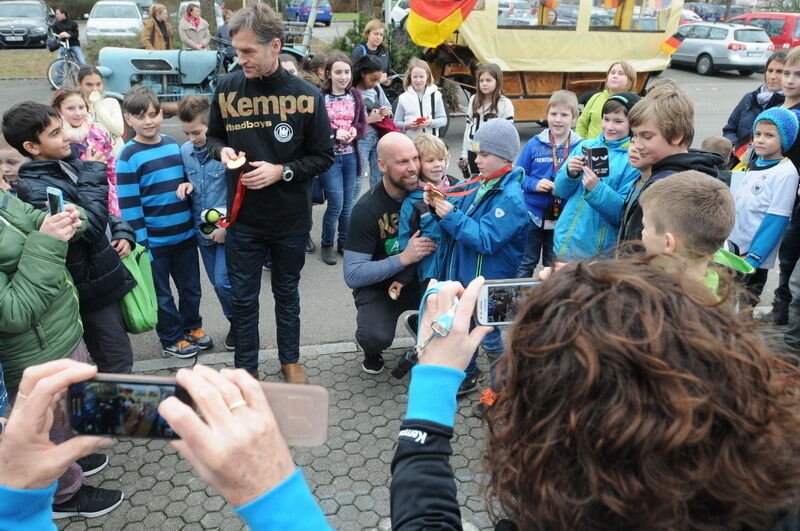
(557,201)
(496,175)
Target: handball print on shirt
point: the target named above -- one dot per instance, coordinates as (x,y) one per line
(597,160)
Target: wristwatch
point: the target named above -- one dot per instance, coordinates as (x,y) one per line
(288,174)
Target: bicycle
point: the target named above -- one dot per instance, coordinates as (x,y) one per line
(62,72)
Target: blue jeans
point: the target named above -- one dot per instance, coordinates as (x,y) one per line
(338,182)
(493,345)
(540,243)
(245,255)
(368,152)
(217,271)
(184,268)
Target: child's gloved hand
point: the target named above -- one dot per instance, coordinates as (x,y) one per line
(394,290)
(183,190)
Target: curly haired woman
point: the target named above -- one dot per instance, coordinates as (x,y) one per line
(632,399)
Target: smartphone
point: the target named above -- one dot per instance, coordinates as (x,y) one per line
(499,300)
(126,405)
(55,200)
(597,160)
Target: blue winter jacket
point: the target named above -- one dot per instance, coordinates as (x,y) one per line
(537,161)
(486,237)
(589,222)
(739,129)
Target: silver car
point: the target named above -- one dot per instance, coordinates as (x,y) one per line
(114,19)
(709,47)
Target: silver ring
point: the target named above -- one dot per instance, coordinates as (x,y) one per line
(21,394)
(238,403)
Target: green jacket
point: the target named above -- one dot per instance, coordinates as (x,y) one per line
(590,122)
(39,319)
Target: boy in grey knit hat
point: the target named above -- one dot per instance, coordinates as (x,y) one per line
(484,231)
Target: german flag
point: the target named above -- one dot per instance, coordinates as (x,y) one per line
(611,4)
(670,45)
(430,22)
(550,4)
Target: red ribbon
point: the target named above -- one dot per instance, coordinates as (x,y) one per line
(238,199)
(496,175)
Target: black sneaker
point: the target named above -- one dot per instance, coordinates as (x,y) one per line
(230,342)
(89,502)
(310,245)
(340,248)
(372,365)
(328,254)
(93,463)
(775,318)
(470,383)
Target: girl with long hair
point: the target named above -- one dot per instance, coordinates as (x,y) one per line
(621,77)
(106,112)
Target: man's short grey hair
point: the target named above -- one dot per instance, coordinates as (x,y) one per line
(260,18)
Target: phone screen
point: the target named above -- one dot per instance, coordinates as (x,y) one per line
(502,301)
(124,409)
(55,201)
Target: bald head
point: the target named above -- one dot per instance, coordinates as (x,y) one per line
(399,162)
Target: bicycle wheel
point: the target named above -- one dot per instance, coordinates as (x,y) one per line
(63,73)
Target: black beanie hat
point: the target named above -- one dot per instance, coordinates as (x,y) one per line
(628,99)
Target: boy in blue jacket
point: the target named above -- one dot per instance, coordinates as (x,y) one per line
(415,215)
(484,232)
(541,158)
(589,222)
(207,185)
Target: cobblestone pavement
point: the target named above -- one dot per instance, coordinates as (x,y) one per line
(349,475)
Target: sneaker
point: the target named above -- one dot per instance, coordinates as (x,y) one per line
(328,254)
(487,400)
(310,246)
(199,337)
(230,342)
(470,383)
(372,365)
(267,265)
(181,349)
(340,248)
(775,318)
(92,464)
(89,502)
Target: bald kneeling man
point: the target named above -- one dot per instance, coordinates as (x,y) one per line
(372,256)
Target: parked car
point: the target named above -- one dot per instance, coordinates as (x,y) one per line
(298,10)
(185,5)
(144,7)
(709,47)
(24,24)
(399,13)
(114,19)
(688,16)
(782,28)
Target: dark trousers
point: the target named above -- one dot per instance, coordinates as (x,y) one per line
(245,254)
(183,266)
(788,254)
(107,339)
(754,285)
(539,244)
(377,313)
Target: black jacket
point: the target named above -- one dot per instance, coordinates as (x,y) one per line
(739,129)
(703,161)
(279,119)
(71,27)
(99,275)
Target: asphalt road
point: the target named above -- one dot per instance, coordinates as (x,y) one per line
(328,313)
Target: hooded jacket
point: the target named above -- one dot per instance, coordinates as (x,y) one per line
(39,321)
(739,129)
(283,121)
(99,275)
(485,237)
(537,161)
(410,106)
(589,221)
(702,161)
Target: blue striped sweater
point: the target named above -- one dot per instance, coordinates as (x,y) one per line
(148,176)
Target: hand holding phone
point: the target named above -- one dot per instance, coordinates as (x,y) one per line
(55,200)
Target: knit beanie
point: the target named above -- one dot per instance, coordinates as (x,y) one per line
(497,137)
(628,99)
(786,123)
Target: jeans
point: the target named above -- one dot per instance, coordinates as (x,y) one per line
(540,243)
(245,255)
(338,182)
(107,339)
(788,254)
(493,345)
(217,271)
(184,268)
(78,54)
(368,152)
(377,313)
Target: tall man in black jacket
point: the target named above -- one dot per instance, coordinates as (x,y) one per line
(280,123)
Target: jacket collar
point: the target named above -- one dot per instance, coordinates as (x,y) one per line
(276,79)
(544,137)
